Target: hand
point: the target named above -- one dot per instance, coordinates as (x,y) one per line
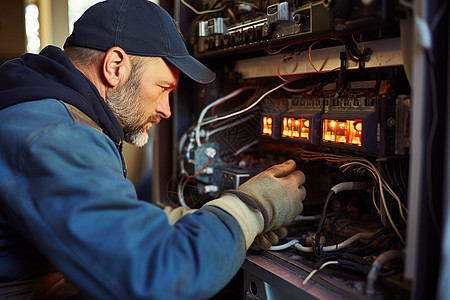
(277,192)
(175,213)
(267,201)
(268,239)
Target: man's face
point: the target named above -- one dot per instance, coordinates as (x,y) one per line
(143,99)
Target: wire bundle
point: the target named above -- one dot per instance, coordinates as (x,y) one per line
(197,137)
(363,165)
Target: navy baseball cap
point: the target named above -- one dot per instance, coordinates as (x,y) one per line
(139,27)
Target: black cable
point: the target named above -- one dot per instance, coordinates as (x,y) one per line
(316,240)
(343,186)
(347,264)
(355,257)
(364,269)
(352,48)
(323,84)
(379,234)
(353,51)
(332,232)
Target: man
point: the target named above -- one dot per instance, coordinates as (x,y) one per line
(65,204)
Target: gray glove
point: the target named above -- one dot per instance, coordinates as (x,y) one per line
(267,201)
(268,239)
(175,213)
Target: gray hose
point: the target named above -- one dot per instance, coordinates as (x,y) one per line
(380,261)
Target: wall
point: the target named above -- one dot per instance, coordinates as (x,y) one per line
(12,29)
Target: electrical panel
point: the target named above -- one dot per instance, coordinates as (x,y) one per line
(356,124)
(345,121)
(249,25)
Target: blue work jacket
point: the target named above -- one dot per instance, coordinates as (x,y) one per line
(64,201)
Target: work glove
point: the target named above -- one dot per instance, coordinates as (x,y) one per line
(175,213)
(265,202)
(268,239)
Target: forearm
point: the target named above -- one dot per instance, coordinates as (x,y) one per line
(90,226)
(142,256)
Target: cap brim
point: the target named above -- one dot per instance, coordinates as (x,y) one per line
(192,68)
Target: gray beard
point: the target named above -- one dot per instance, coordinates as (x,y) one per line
(124,102)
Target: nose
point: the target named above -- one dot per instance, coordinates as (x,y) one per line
(163,108)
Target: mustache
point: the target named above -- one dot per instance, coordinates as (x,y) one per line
(154,119)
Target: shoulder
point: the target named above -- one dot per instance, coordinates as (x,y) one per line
(47,124)
(31,116)
(26,119)
(45,112)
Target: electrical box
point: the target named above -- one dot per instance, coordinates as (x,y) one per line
(325,85)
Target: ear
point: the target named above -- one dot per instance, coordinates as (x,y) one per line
(116,66)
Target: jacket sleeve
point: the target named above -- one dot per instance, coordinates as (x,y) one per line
(70,200)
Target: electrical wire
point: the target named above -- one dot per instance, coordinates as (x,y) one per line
(336,247)
(385,172)
(196,134)
(212,120)
(199,172)
(380,233)
(311,63)
(317,236)
(200,123)
(332,262)
(343,186)
(382,185)
(244,88)
(247,3)
(352,49)
(202,12)
(386,186)
(373,170)
(279,63)
(342,75)
(299,90)
(380,261)
(184,179)
(246,146)
(205,110)
(284,246)
(277,51)
(180,189)
(307,218)
(230,125)
(348,163)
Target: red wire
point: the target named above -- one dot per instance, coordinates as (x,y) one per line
(192,176)
(277,51)
(311,63)
(279,62)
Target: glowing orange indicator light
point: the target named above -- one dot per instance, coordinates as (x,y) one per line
(342,131)
(267,126)
(295,128)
